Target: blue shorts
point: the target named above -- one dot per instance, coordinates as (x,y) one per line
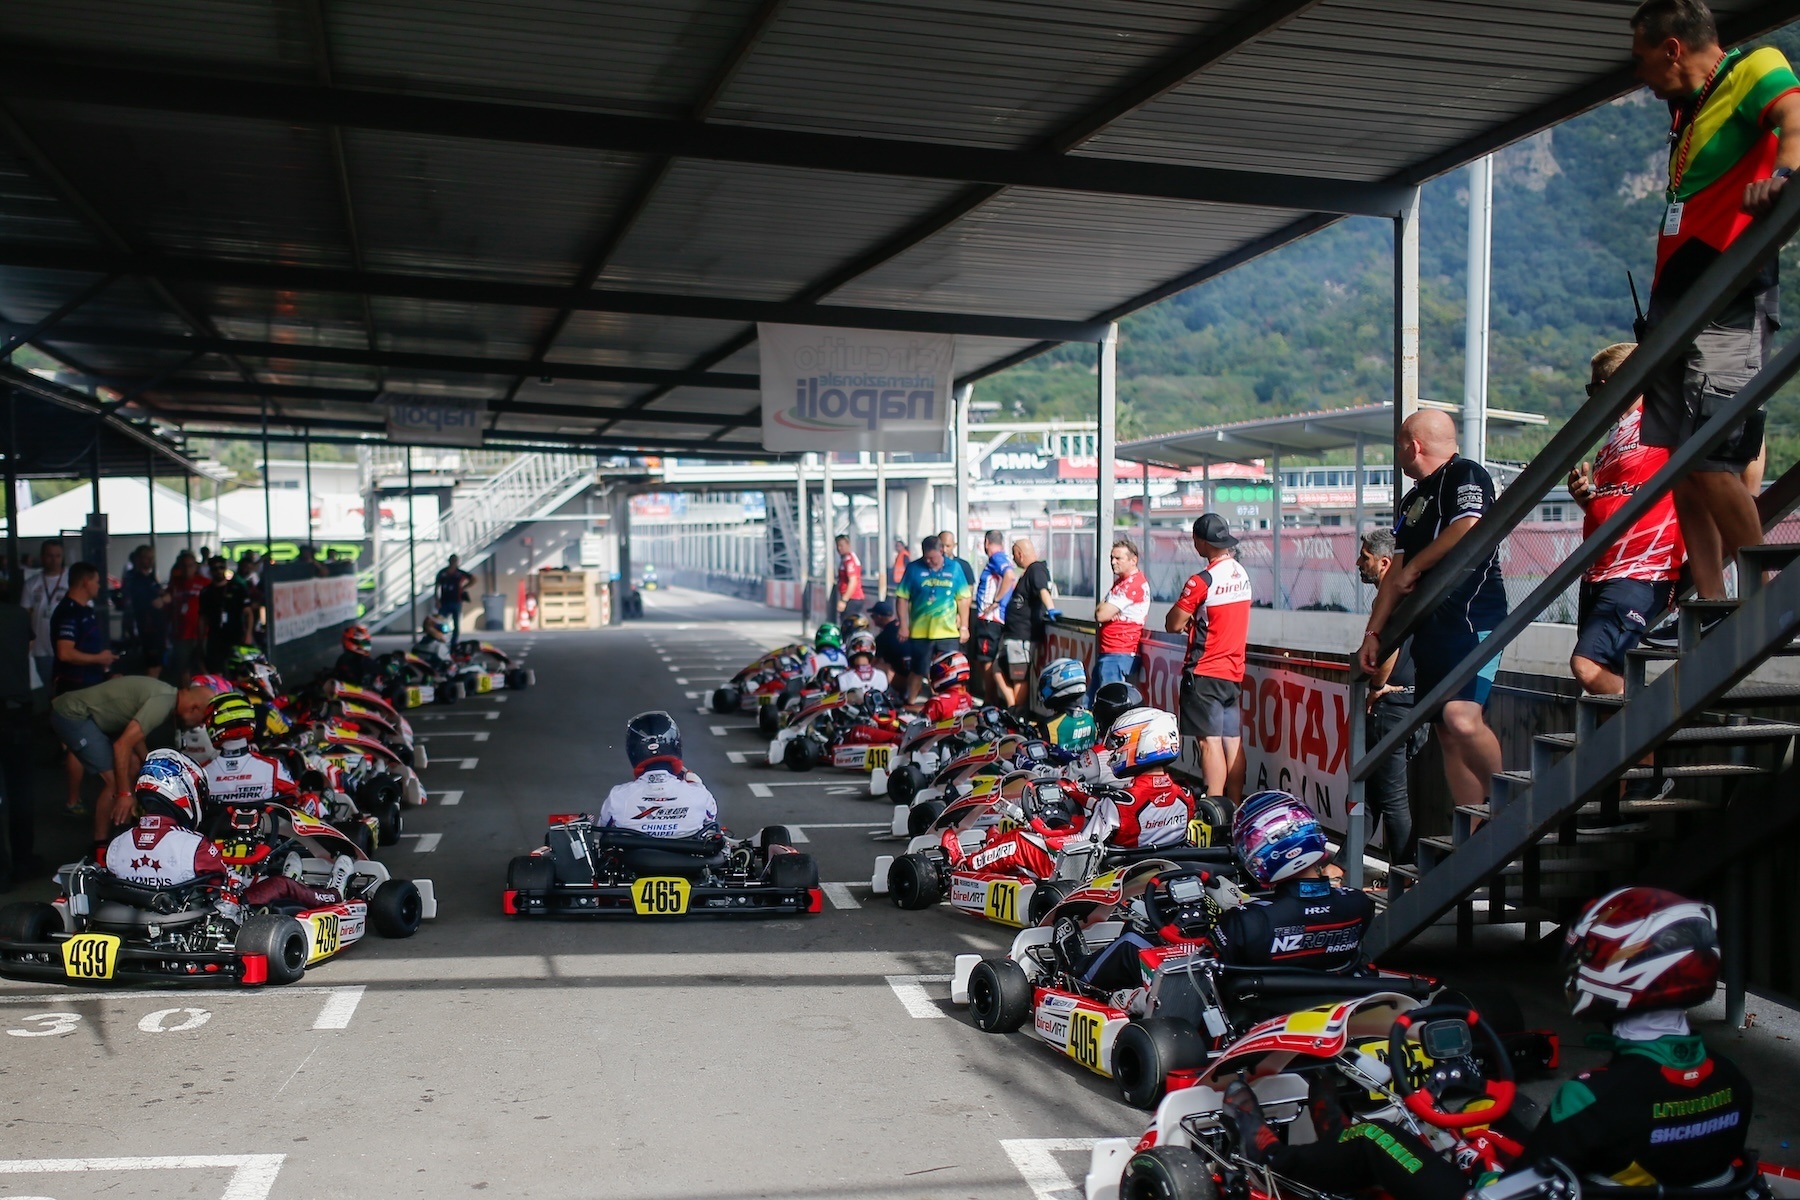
(1436,649)
(86,740)
(1612,616)
(923,650)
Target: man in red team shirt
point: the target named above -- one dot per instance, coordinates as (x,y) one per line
(849,581)
(1120,615)
(1214,611)
(1635,578)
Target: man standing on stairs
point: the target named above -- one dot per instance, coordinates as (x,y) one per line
(452,590)
(1452,493)
(1734,138)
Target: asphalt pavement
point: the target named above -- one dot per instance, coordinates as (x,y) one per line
(637,1059)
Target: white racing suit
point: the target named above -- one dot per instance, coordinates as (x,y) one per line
(829,659)
(241,775)
(666,802)
(863,679)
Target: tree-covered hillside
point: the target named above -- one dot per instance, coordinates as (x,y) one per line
(1310,326)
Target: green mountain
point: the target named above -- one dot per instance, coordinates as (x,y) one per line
(1310,326)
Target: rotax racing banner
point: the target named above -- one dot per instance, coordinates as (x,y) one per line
(303,606)
(855,389)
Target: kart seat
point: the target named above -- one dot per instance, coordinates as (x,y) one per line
(121,904)
(689,858)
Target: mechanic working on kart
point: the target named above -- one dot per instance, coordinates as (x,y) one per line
(664,798)
(165,849)
(241,775)
(356,665)
(107,727)
(950,687)
(1662,1111)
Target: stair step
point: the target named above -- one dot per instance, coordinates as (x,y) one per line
(1744,695)
(1776,554)
(1635,809)
(1685,771)
(1704,735)
(1546,866)
(1654,654)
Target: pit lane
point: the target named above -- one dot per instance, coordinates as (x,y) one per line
(814,1056)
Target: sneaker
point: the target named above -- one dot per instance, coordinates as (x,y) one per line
(1648,789)
(1667,637)
(75,808)
(1255,1138)
(341,868)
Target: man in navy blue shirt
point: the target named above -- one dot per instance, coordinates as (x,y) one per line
(1451,494)
(78,631)
(452,593)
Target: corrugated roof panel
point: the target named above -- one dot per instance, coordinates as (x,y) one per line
(242,32)
(628,340)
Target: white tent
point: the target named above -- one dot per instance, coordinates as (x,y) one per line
(126,505)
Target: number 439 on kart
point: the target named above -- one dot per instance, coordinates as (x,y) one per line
(660,897)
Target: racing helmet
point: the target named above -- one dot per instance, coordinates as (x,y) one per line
(1141,740)
(240,658)
(170,785)
(357,640)
(1640,948)
(861,642)
(1112,701)
(437,627)
(856,623)
(218,685)
(650,736)
(230,718)
(257,677)
(828,637)
(949,670)
(1276,837)
(1062,679)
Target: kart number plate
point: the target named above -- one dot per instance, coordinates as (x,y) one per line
(1084,1038)
(1199,833)
(326,936)
(878,756)
(1003,902)
(484,683)
(90,956)
(415,696)
(657,897)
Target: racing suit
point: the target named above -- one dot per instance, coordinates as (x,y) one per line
(159,852)
(830,660)
(359,669)
(1306,923)
(434,652)
(1070,733)
(864,678)
(1156,814)
(668,800)
(953,703)
(241,775)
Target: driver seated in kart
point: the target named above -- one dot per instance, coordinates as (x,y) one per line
(1147,808)
(356,665)
(1070,728)
(664,798)
(1663,1111)
(827,656)
(434,643)
(1305,921)
(949,686)
(1178,907)
(1111,702)
(240,774)
(864,674)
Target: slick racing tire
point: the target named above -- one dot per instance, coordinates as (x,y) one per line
(29,922)
(913,882)
(726,700)
(1167,1173)
(920,816)
(774,835)
(519,678)
(800,755)
(792,871)
(1146,1051)
(531,873)
(360,835)
(906,783)
(450,693)
(281,940)
(999,996)
(1208,809)
(397,908)
(768,721)
(1044,897)
(393,821)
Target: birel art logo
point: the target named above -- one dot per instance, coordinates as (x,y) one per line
(843,386)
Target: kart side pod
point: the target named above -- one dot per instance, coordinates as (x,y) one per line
(959,981)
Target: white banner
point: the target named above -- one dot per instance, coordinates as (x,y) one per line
(303,606)
(437,421)
(855,389)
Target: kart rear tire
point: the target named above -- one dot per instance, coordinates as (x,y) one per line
(726,700)
(450,693)
(774,835)
(920,816)
(799,755)
(393,821)
(1144,1054)
(1208,809)
(913,882)
(1167,1173)
(531,873)
(906,783)
(397,908)
(281,940)
(29,921)
(360,836)
(768,721)
(1044,897)
(999,996)
(519,678)
(792,871)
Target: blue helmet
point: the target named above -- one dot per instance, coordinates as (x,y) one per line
(651,735)
(1276,837)
(1062,679)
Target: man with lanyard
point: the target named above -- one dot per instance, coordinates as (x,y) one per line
(1120,616)
(452,593)
(147,608)
(43,592)
(993,588)
(934,612)
(1451,494)
(1033,603)
(1214,611)
(1734,138)
(1390,702)
(849,581)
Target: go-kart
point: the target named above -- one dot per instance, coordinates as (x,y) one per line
(973,773)
(369,711)
(762,683)
(411,681)
(482,667)
(927,747)
(103,929)
(370,772)
(833,731)
(601,872)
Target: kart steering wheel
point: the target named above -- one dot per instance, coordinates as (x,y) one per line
(1425,1102)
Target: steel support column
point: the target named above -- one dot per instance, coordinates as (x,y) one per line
(412,546)
(150,494)
(1275,534)
(1475,335)
(306,518)
(268,504)
(1105,439)
(960,459)
(1356,516)
(802,551)
(1406,324)
(1145,532)
(187,500)
(881,525)
(827,515)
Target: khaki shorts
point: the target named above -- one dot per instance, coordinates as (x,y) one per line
(1683,396)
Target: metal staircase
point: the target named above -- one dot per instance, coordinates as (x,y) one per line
(531,485)
(1686,718)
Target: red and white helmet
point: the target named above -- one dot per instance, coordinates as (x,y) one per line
(1141,740)
(949,670)
(171,785)
(1638,949)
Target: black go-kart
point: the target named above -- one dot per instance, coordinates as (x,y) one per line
(587,871)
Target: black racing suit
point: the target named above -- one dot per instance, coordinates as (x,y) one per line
(359,669)
(1660,1111)
(1306,923)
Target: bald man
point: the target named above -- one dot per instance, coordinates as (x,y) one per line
(1451,494)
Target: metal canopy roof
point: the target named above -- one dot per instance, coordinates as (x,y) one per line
(571,210)
(1300,434)
(53,431)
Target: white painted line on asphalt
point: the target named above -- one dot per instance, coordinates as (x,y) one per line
(479,714)
(825,782)
(1036,1160)
(741,757)
(842,825)
(910,991)
(674,668)
(678,679)
(722,730)
(468,764)
(480,735)
(839,895)
(427,841)
(447,798)
(340,1006)
(695,695)
(761,790)
(497,698)
(252,1175)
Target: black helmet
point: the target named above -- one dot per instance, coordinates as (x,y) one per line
(1111,702)
(652,735)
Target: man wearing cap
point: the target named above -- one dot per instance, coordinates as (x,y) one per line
(1214,611)
(933,612)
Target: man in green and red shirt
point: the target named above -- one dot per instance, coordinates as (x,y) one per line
(1734,137)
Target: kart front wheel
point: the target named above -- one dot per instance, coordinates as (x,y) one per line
(799,755)
(519,678)
(999,996)
(397,908)
(906,783)
(913,881)
(725,700)
(1167,1173)
(768,721)
(393,821)
(920,816)
(281,941)
(29,922)
(1146,1052)
(450,693)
